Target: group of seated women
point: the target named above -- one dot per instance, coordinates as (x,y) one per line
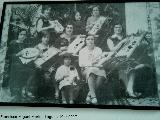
(67,70)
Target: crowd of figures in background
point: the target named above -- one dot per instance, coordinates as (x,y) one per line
(76,54)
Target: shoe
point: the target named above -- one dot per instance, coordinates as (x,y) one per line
(138,94)
(88,99)
(29,94)
(132,94)
(64,102)
(23,93)
(71,102)
(94,100)
(56,96)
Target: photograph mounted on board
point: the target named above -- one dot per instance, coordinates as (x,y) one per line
(79,53)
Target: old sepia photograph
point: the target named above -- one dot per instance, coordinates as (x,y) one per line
(80,53)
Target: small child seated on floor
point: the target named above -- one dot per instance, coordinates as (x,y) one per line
(66,76)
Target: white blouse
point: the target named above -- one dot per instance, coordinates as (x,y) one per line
(86,57)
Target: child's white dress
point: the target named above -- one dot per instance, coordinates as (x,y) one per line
(63,71)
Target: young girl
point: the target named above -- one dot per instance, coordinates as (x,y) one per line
(66,76)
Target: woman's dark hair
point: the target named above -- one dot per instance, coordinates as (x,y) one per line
(23,30)
(45,7)
(69,23)
(88,36)
(44,34)
(99,8)
(74,14)
(118,23)
(67,56)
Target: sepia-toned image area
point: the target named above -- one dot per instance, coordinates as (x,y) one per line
(81,53)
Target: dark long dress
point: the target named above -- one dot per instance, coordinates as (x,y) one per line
(79,27)
(145,81)
(114,86)
(19,72)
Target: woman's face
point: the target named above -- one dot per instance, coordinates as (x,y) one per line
(67,61)
(45,39)
(118,29)
(47,12)
(69,29)
(95,11)
(90,41)
(22,36)
(77,16)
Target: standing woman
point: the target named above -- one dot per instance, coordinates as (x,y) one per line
(95,16)
(95,76)
(43,22)
(78,24)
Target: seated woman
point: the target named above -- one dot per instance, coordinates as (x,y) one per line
(95,76)
(65,38)
(19,72)
(116,42)
(43,46)
(117,39)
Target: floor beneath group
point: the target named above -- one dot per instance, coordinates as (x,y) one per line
(148,101)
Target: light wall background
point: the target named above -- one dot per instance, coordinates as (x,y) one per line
(84,113)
